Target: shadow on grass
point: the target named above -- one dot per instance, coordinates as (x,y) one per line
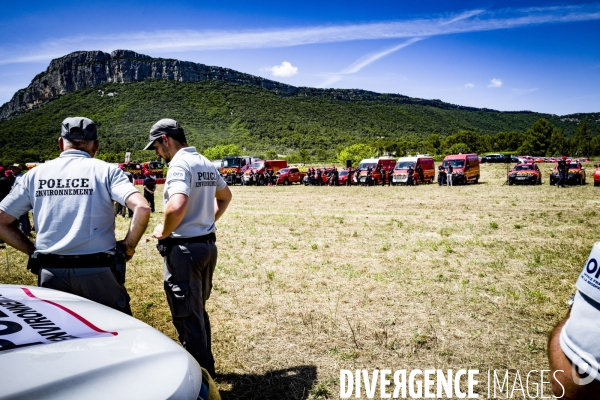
(289,383)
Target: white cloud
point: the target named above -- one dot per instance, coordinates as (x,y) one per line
(520,91)
(330,81)
(370,58)
(495,83)
(283,70)
(366,60)
(186,40)
(469,85)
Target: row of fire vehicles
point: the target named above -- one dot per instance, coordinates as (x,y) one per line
(139,169)
(246,170)
(405,170)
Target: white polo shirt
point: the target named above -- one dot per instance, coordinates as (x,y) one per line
(192,174)
(72,201)
(579,336)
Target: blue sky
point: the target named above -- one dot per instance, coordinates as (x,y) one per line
(541,56)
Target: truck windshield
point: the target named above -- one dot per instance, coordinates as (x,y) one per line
(256,165)
(454,163)
(524,168)
(366,165)
(231,162)
(573,166)
(405,164)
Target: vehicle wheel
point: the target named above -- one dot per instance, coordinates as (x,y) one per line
(286,182)
(476,179)
(596,183)
(393,183)
(261,181)
(510,182)
(431,180)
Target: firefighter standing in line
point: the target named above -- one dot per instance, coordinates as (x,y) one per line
(410,180)
(369,179)
(562,171)
(419,170)
(441,175)
(335,177)
(149,188)
(449,171)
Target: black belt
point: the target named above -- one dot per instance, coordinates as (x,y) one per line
(94,260)
(211,237)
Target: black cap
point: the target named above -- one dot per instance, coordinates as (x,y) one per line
(79,128)
(165,126)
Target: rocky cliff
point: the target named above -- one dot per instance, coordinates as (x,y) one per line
(84,69)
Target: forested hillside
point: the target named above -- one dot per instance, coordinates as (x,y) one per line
(256,119)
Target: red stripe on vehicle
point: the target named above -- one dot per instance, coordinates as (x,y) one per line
(73,313)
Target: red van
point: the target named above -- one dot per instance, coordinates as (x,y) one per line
(376,164)
(465,168)
(401,169)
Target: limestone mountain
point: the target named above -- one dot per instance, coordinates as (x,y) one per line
(126,92)
(84,69)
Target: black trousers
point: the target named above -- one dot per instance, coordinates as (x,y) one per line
(150,198)
(188,275)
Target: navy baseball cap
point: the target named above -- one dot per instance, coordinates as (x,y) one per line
(79,128)
(165,126)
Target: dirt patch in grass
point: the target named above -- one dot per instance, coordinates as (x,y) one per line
(311,280)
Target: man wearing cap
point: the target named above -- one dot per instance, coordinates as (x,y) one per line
(195,197)
(72,201)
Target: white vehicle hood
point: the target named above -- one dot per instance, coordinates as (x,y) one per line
(54,345)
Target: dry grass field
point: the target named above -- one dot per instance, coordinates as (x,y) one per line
(311,280)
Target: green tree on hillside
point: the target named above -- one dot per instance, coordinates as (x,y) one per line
(475,142)
(433,144)
(558,144)
(459,148)
(526,148)
(506,141)
(303,156)
(538,137)
(220,151)
(320,155)
(356,153)
(581,142)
